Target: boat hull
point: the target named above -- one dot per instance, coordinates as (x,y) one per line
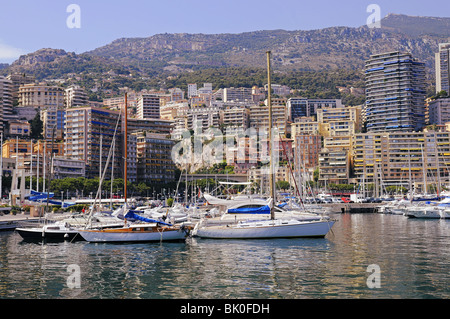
(38,233)
(426,214)
(127,235)
(265,230)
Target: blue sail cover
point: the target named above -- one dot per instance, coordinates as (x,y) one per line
(250,210)
(132,215)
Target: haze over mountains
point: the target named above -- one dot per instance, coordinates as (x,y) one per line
(323,49)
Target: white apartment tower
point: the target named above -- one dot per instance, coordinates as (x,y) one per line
(192,90)
(75,96)
(443,68)
(148,106)
(6,99)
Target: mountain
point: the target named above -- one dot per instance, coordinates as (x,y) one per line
(313,50)
(329,48)
(417,26)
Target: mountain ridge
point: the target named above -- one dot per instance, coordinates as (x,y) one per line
(300,50)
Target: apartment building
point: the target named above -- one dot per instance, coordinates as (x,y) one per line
(438,111)
(342,120)
(192,90)
(20,129)
(259,117)
(303,107)
(334,166)
(88,134)
(237,94)
(53,119)
(154,161)
(442,67)
(155,125)
(278,89)
(11,147)
(67,168)
(75,96)
(171,110)
(395,92)
(19,79)
(176,94)
(236,115)
(6,101)
(396,158)
(307,150)
(148,106)
(202,118)
(41,95)
(306,125)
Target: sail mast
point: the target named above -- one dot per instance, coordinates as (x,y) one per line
(269,104)
(126,149)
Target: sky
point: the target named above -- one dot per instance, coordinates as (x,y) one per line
(29,25)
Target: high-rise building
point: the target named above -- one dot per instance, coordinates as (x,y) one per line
(443,68)
(19,79)
(75,96)
(395,92)
(148,106)
(6,100)
(88,134)
(53,118)
(192,90)
(439,111)
(154,160)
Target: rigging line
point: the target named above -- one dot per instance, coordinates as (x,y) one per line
(104,173)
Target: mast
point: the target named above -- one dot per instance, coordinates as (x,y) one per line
(1,168)
(424,172)
(126,149)
(271,173)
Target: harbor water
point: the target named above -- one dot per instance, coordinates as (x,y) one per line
(366,256)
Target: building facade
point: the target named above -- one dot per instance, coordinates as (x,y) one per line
(439,111)
(154,160)
(442,67)
(398,158)
(75,96)
(41,95)
(301,107)
(148,106)
(6,101)
(89,134)
(395,93)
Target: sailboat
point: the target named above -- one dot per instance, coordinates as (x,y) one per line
(136,228)
(267,228)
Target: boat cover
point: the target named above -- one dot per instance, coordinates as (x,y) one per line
(132,215)
(250,210)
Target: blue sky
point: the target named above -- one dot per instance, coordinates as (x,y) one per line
(28,25)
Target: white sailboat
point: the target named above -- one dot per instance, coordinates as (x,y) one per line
(266,228)
(141,229)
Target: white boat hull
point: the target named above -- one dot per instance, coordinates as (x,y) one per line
(424,213)
(266,229)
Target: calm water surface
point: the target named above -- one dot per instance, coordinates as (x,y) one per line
(413,256)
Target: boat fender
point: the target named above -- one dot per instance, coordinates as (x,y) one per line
(66,235)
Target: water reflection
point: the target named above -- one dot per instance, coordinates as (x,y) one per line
(412,254)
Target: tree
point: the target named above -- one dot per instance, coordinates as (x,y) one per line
(36,126)
(283,185)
